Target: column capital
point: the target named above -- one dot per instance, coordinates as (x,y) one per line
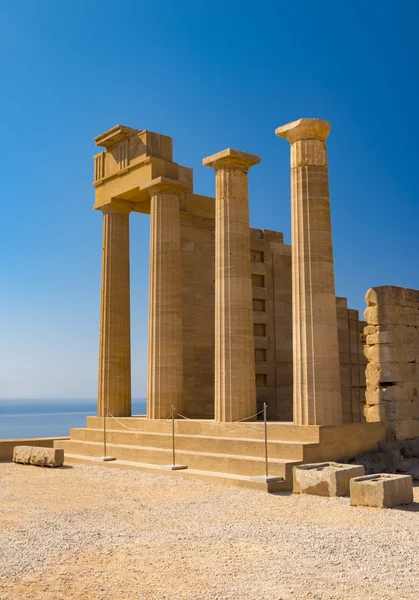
(304,129)
(230,158)
(165,185)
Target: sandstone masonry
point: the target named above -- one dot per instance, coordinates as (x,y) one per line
(392,350)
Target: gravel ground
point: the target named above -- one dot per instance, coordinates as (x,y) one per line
(98,533)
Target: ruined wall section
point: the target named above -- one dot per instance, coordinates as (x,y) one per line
(392,350)
(352,361)
(272,317)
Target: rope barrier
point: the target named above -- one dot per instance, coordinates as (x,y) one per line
(123,425)
(247,418)
(132,428)
(186,418)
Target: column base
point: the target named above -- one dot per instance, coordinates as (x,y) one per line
(105,458)
(264,479)
(174,467)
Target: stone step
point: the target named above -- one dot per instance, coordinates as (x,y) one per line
(250,466)
(207,476)
(198,443)
(283,432)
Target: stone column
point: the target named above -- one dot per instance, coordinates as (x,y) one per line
(165,345)
(115,342)
(317,393)
(235,387)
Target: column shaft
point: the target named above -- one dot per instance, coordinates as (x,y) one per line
(317,392)
(115,343)
(165,346)
(235,387)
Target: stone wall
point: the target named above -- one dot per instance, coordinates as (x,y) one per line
(198,313)
(272,317)
(352,361)
(392,350)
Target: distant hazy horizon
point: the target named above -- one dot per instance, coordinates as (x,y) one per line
(30,418)
(92,399)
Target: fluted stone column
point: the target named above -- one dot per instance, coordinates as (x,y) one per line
(235,387)
(115,343)
(165,346)
(317,393)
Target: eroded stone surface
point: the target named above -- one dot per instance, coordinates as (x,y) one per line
(44,457)
(382,490)
(325,479)
(392,350)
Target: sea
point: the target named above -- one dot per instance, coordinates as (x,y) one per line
(48,418)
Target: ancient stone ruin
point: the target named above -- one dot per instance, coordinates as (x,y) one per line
(238,318)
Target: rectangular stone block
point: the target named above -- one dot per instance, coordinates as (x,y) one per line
(389,314)
(392,353)
(391,373)
(382,490)
(390,294)
(325,479)
(43,457)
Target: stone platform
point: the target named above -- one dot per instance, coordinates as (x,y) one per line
(231,453)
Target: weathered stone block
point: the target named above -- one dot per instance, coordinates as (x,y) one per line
(325,479)
(391,373)
(33,455)
(381,490)
(391,314)
(389,294)
(22,454)
(391,353)
(370,330)
(375,413)
(393,393)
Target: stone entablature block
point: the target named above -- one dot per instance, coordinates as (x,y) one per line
(133,158)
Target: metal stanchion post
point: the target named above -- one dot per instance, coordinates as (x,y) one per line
(265,406)
(174,466)
(173,436)
(270,481)
(105,458)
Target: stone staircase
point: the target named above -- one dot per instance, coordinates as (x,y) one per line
(230,453)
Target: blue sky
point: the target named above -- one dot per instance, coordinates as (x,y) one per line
(212,75)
